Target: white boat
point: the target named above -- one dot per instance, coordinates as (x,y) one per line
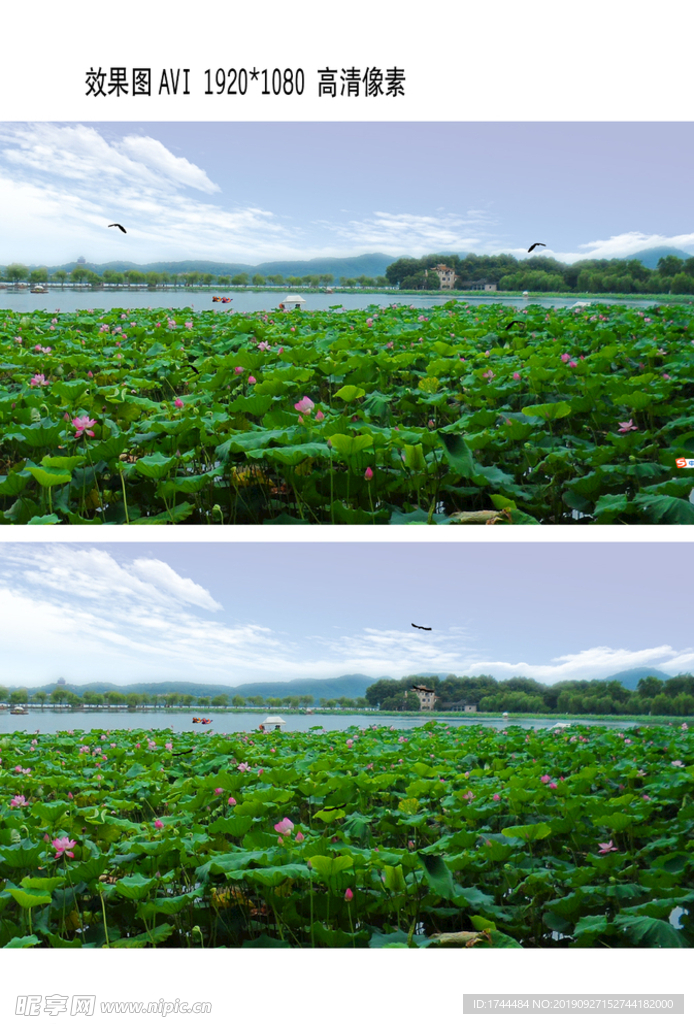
(39,289)
(19,709)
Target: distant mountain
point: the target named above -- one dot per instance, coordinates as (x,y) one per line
(630,677)
(370,265)
(650,257)
(342,686)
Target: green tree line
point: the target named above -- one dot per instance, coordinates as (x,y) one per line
(544,274)
(17,273)
(653,696)
(90,698)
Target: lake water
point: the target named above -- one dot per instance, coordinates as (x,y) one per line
(73,299)
(51,721)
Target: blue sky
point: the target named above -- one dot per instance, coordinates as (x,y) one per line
(253,192)
(250,612)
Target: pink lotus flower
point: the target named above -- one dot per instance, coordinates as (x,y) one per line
(284,827)
(545,779)
(677,764)
(63,845)
(179,403)
(231,802)
(516,376)
(299,837)
(489,375)
(238,369)
(626,426)
(368,475)
(188,324)
(305,405)
(552,785)
(218,791)
(252,380)
(350,743)
(18,801)
(496,797)
(320,415)
(82,425)
(158,823)
(38,380)
(244,766)
(573,365)
(565,358)
(349,895)
(607,847)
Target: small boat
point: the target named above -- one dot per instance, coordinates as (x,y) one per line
(19,709)
(273,720)
(39,289)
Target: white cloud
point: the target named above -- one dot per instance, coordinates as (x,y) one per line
(84,155)
(61,186)
(623,245)
(162,576)
(593,663)
(418,234)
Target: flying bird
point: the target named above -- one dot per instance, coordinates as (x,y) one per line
(535,245)
(421,627)
(119,226)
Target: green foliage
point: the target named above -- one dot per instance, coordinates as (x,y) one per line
(553,839)
(404,417)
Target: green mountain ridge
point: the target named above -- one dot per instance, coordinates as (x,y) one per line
(353,686)
(368,264)
(629,678)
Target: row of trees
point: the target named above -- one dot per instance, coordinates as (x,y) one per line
(653,696)
(544,274)
(62,696)
(17,272)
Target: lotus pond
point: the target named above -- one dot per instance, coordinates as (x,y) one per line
(441,836)
(452,414)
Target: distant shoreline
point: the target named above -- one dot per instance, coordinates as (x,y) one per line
(140,289)
(365,712)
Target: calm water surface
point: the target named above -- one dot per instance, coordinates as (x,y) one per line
(69,300)
(51,721)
